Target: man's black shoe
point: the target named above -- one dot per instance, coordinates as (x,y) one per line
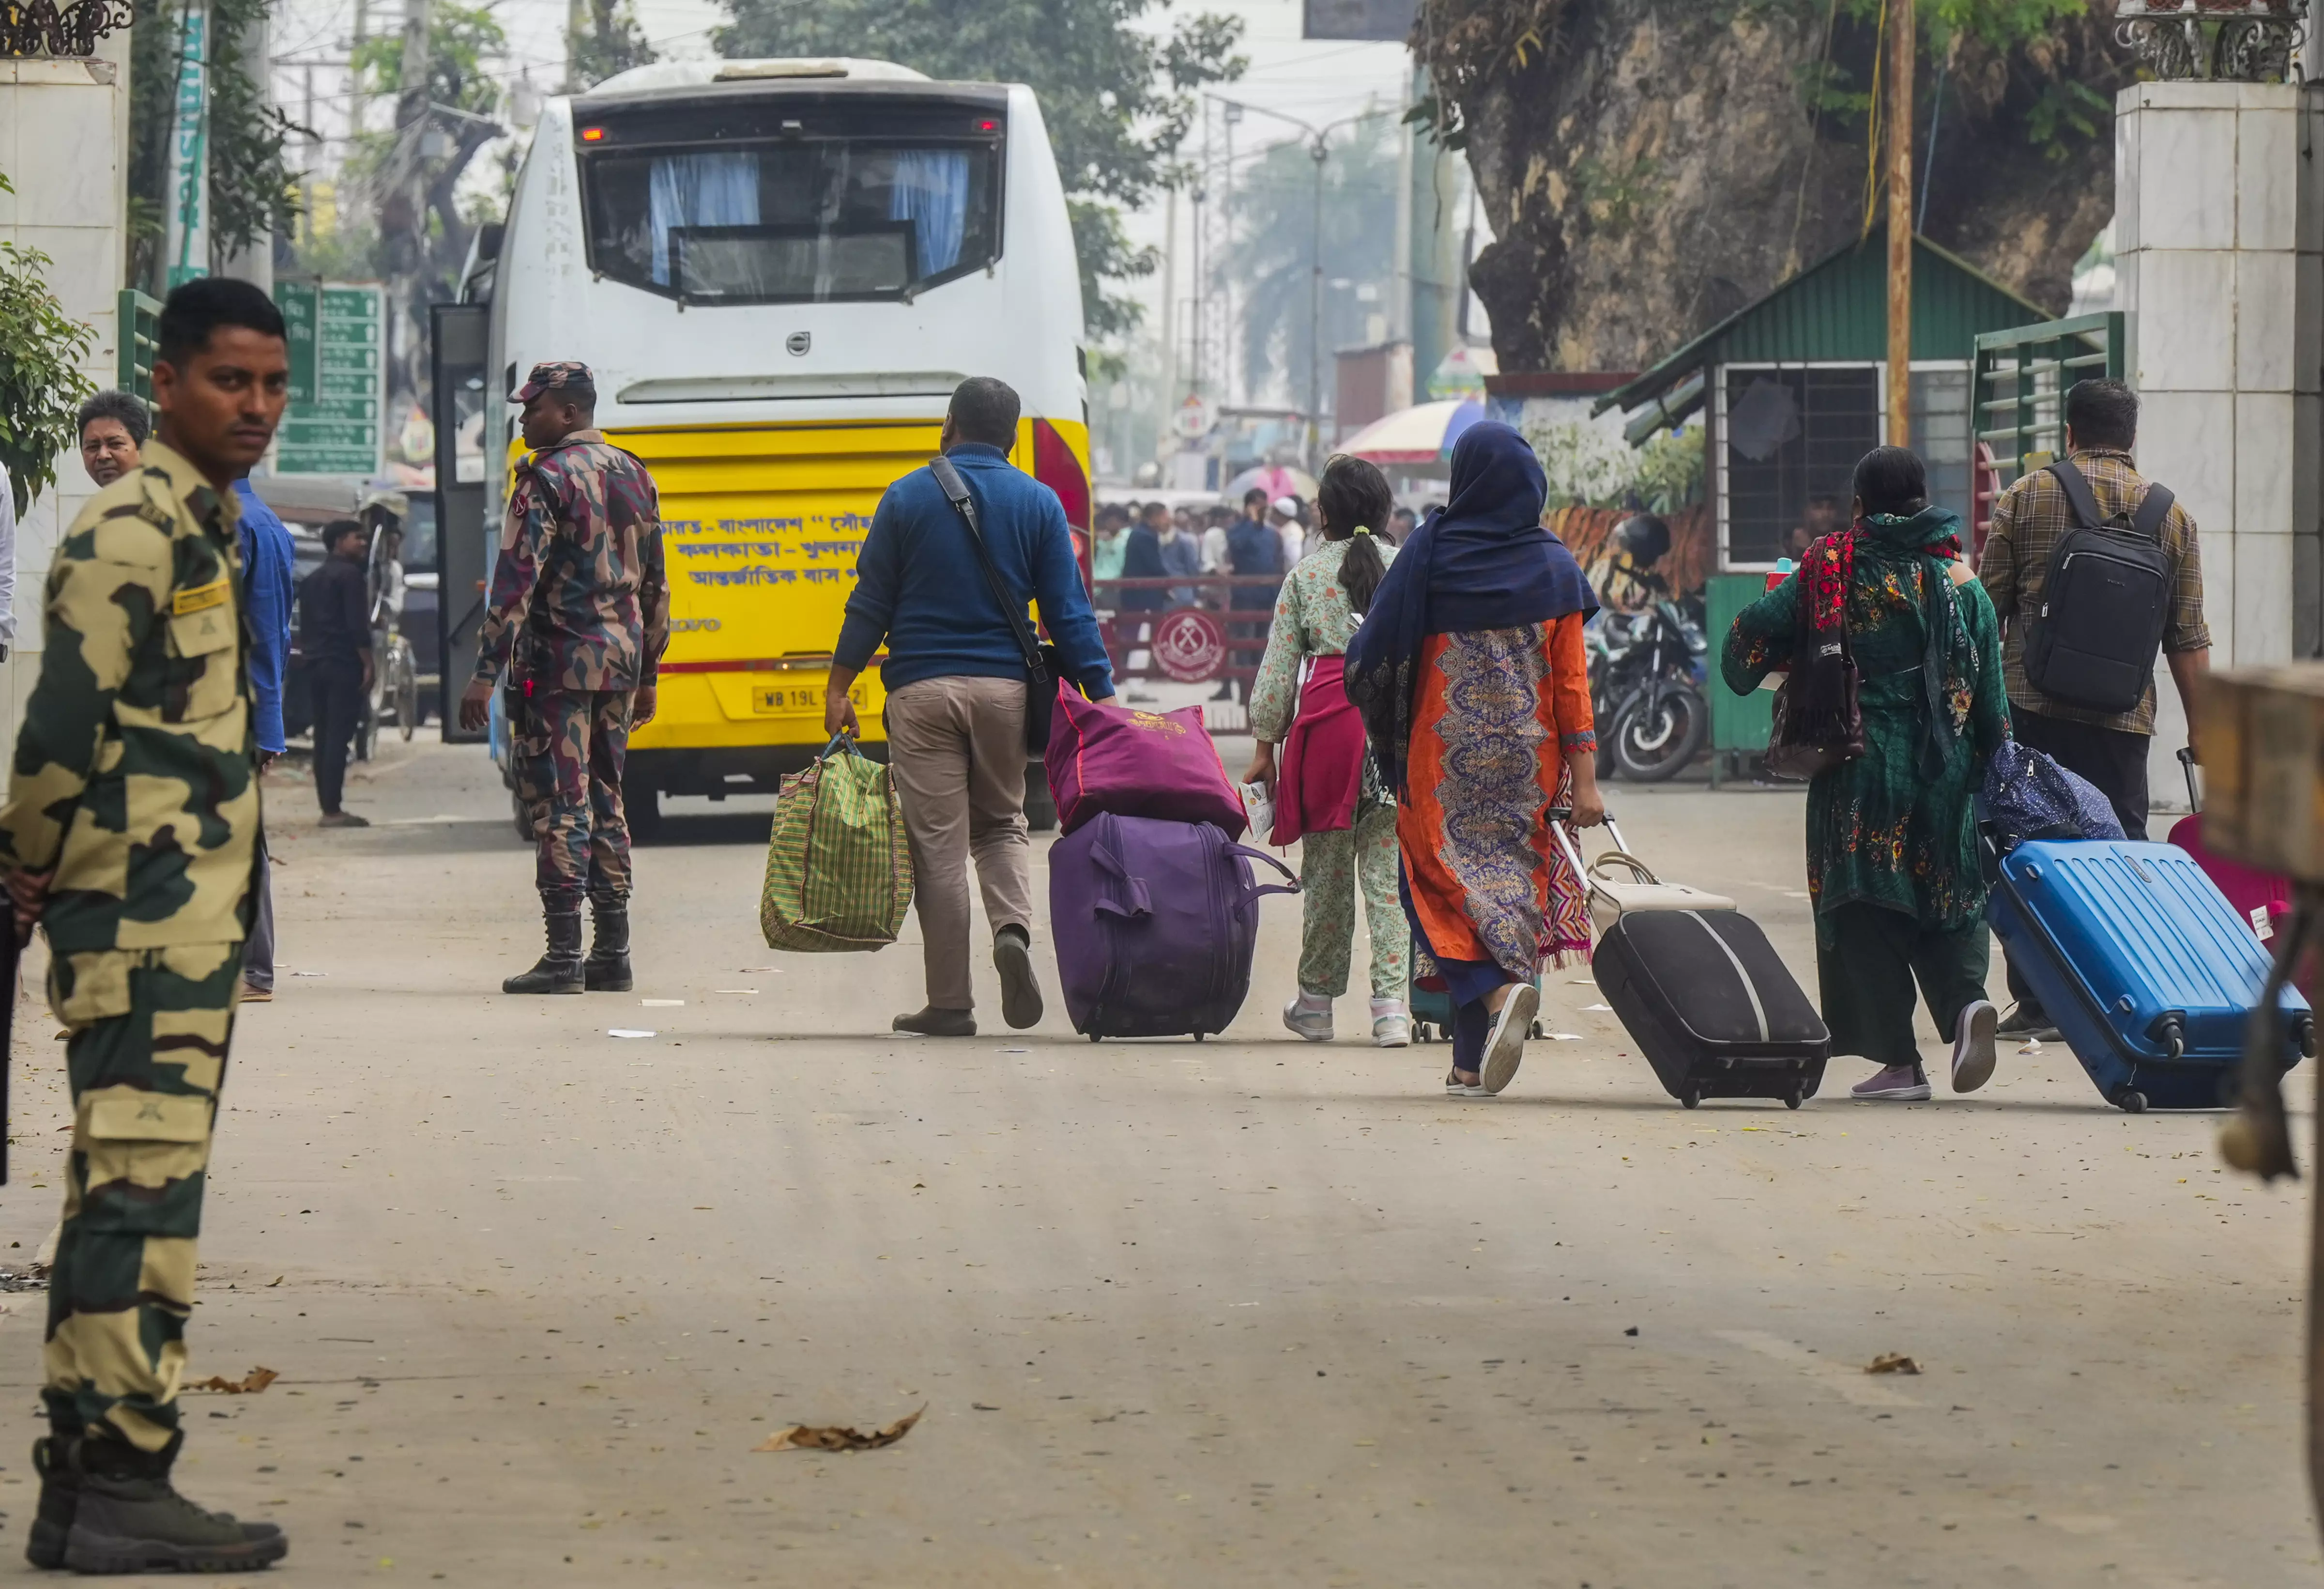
(60,1495)
(607,969)
(2028,1026)
(559,970)
(128,1519)
(1021,990)
(933,1022)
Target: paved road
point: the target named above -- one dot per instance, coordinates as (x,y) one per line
(1252,1312)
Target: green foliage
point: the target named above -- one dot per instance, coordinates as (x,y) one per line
(1267,264)
(1117,92)
(253,191)
(612,42)
(40,382)
(461,39)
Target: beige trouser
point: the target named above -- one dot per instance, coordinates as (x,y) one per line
(957,747)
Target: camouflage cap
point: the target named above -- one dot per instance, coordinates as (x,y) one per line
(557,375)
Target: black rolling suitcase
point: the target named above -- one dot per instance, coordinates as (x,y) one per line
(1718,1016)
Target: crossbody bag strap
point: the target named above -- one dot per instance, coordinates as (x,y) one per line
(956,491)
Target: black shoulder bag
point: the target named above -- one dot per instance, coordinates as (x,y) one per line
(2106,602)
(1041,669)
(1818,723)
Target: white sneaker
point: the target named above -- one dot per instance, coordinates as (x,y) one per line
(1505,1050)
(1974,1057)
(1454,1087)
(1315,1025)
(1391,1023)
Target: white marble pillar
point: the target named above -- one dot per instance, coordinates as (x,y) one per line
(2217,233)
(64,140)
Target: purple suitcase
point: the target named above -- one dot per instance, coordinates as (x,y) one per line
(1155,923)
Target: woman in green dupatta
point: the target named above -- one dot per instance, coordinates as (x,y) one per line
(1892,843)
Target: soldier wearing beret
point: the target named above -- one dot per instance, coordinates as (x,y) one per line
(577,618)
(129,836)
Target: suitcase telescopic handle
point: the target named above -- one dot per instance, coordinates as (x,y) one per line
(2187,765)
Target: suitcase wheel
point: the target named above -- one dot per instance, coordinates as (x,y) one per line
(1795,1098)
(1538,1034)
(1198,1036)
(1095,1038)
(1691,1099)
(2130,1101)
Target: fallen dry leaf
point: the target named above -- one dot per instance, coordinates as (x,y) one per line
(257,1380)
(837,1438)
(1892,1362)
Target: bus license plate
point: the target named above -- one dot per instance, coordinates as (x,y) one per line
(776,700)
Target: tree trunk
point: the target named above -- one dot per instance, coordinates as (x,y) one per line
(1650,168)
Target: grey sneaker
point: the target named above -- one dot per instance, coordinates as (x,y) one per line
(1315,1025)
(1897,1083)
(1973,1051)
(1505,1050)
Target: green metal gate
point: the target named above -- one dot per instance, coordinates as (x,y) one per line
(2022,377)
(140,332)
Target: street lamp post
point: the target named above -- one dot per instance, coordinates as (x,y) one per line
(1321,151)
(1319,148)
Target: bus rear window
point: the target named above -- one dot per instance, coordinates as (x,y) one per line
(800,221)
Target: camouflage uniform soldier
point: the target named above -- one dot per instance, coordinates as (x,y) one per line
(129,834)
(578,616)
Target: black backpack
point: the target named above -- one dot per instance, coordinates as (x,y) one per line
(2105,604)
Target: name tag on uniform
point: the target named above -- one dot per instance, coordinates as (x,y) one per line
(201,597)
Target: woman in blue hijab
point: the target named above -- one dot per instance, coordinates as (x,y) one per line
(1473,679)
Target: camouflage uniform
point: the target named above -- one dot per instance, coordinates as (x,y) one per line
(578,615)
(136,781)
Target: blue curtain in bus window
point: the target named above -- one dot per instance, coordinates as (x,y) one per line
(931,192)
(700,191)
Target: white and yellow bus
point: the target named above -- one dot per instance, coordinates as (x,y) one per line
(778,269)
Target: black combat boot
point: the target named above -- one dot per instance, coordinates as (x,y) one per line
(607,970)
(60,1496)
(129,1519)
(559,970)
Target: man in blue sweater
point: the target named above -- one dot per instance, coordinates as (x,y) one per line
(266,555)
(956,685)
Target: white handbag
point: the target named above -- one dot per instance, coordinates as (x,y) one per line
(1620,883)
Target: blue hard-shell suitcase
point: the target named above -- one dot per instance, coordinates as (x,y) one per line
(2143,965)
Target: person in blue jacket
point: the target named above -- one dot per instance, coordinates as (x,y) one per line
(957,690)
(266,554)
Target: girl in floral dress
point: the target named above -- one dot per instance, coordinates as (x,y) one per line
(1328,794)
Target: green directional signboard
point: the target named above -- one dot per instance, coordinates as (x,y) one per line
(336,423)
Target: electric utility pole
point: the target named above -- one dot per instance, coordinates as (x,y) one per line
(1900,223)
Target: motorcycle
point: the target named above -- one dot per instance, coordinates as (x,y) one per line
(1647,674)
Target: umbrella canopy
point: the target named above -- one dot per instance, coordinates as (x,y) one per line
(1420,435)
(1274,480)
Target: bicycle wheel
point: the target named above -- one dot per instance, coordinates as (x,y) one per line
(407,691)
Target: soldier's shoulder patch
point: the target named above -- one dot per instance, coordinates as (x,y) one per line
(202,598)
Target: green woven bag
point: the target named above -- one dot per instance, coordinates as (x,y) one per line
(839,872)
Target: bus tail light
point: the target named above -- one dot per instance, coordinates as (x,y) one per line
(1056,466)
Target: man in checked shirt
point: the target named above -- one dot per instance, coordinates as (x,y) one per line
(578,616)
(2110,749)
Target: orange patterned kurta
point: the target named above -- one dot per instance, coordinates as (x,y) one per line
(1499,711)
